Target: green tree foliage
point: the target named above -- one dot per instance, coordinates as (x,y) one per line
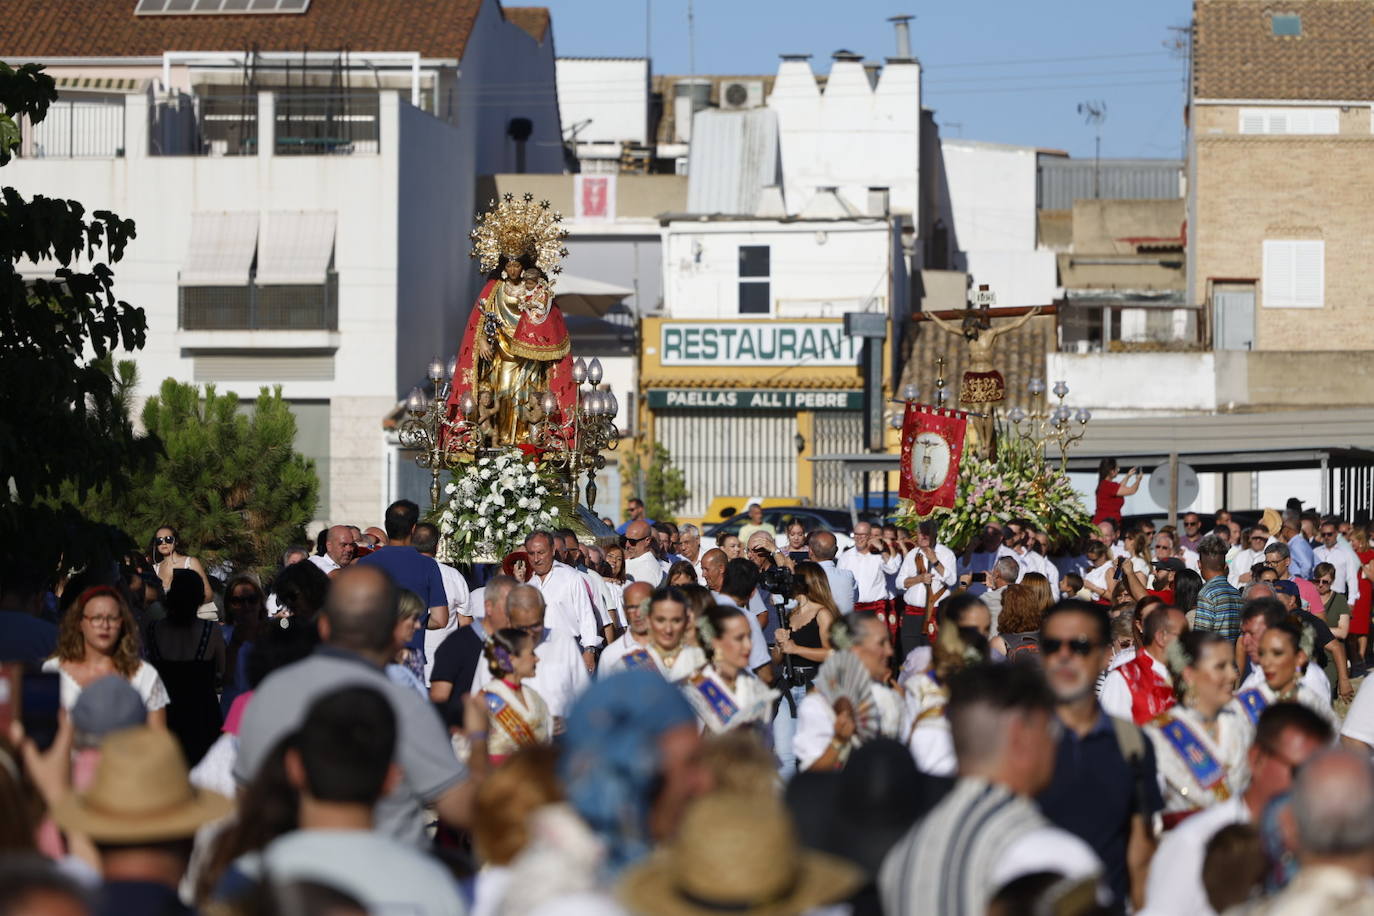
(662,486)
(231,482)
(60,407)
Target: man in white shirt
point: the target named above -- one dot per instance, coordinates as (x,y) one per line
(689,546)
(1135,690)
(636,635)
(338,550)
(640,563)
(822,547)
(565,595)
(567,551)
(1167,547)
(561,675)
(1016,543)
(870,566)
(928,573)
(1004,572)
(426,541)
(1249,554)
(1287,735)
(1347,579)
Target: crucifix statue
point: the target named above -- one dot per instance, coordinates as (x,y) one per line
(982,386)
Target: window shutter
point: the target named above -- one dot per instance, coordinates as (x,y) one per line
(1326,121)
(1309,274)
(1251,121)
(1280,121)
(1278,274)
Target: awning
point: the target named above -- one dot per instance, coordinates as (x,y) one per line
(583,296)
(296,248)
(220,252)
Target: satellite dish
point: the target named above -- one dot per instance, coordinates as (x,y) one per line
(1187,485)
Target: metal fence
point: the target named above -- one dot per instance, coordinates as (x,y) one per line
(260,308)
(228,125)
(311,124)
(1059,181)
(76,128)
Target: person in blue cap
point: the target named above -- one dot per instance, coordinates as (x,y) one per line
(630,764)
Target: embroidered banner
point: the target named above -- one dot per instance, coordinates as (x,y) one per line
(932,447)
(1206,769)
(1253,702)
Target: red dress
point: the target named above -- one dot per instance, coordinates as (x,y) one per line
(1109,501)
(1359,614)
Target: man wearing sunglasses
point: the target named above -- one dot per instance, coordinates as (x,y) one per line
(1105,790)
(1333,550)
(1254,542)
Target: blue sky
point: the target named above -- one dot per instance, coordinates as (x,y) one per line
(1009,71)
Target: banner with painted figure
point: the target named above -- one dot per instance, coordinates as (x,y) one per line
(932,447)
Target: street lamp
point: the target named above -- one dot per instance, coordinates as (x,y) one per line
(1046,424)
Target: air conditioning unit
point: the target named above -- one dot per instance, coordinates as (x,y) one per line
(741,94)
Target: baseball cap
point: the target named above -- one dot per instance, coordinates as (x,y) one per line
(1286,587)
(1173,564)
(108,705)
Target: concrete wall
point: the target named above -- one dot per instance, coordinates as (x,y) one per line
(818,269)
(611,94)
(852,135)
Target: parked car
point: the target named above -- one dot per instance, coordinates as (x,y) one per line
(832,520)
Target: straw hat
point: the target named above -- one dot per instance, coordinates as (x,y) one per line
(1272,521)
(141,793)
(737,853)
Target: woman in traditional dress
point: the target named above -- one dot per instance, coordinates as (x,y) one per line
(668,652)
(517,715)
(1200,743)
(1284,651)
(724,693)
(963,640)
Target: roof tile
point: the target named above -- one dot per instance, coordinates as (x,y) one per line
(533,19)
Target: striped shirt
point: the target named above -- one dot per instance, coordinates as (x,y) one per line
(1218,608)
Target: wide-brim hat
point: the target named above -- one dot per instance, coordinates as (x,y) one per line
(141,793)
(1272,521)
(739,854)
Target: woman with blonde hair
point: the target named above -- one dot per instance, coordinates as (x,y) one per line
(504,804)
(407,668)
(962,641)
(97,638)
(1201,742)
(517,715)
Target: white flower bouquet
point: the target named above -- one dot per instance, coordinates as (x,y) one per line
(492,505)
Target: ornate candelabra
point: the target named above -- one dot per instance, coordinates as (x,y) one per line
(570,441)
(1046,424)
(441,442)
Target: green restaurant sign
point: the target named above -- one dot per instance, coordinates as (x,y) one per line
(758,343)
(754,399)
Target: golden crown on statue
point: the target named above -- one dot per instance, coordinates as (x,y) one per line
(520,228)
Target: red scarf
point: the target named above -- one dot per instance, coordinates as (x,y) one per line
(1150,693)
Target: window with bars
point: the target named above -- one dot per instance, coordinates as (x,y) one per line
(755,288)
(1294,274)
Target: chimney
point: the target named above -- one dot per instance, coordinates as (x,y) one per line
(903,30)
(847,56)
(872,70)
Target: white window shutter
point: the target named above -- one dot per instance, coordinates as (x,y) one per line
(1251,121)
(1326,121)
(1290,121)
(1278,274)
(1309,274)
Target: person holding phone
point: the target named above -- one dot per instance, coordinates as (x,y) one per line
(1111,494)
(97,638)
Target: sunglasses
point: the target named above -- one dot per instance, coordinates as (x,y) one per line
(1191,524)
(637,540)
(166,539)
(1325,581)
(1328,534)
(242,599)
(1259,537)
(1079,645)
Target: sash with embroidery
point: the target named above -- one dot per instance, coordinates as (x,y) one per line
(639,660)
(511,722)
(1205,769)
(1253,702)
(711,701)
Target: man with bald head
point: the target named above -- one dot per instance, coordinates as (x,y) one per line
(338,550)
(641,564)
(713,568)
(561,674)
(356,628)
(871,561)
(844,589)
(636,636)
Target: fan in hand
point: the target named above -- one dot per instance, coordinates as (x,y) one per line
(844,677)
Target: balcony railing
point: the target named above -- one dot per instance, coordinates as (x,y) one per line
(76,129)
(303,124)
(313,124)
(260,308)
(1096,327)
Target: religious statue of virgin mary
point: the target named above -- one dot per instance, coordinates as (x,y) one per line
(516,348)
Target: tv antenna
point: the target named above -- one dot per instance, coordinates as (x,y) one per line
(1094,113)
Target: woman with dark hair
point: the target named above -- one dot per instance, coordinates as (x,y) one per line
(682,573)
(301,590)
(699,601)
(189,654)
(97,638)
(1111,494)
(1284,652)
(516,714)
(517,565)
(724,693)
(245,612)
(1200,742)
(164,551)
(1187,583)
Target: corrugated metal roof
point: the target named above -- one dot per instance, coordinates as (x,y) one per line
(734,155)
(1059,181)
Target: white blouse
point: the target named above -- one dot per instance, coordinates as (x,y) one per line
(145,680)
(688,660)
(925,727)
(527,706)
(1178,784)
(720,707)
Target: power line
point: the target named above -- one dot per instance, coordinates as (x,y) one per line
(1019,61)
(1047,76)
(1056,88)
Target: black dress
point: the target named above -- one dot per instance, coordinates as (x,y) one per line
(193,713)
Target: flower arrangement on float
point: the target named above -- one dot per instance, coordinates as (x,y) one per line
(1016,483)
(494,503)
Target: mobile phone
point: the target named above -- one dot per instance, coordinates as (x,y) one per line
(33,697)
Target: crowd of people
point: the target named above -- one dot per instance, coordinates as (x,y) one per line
(1160,721)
